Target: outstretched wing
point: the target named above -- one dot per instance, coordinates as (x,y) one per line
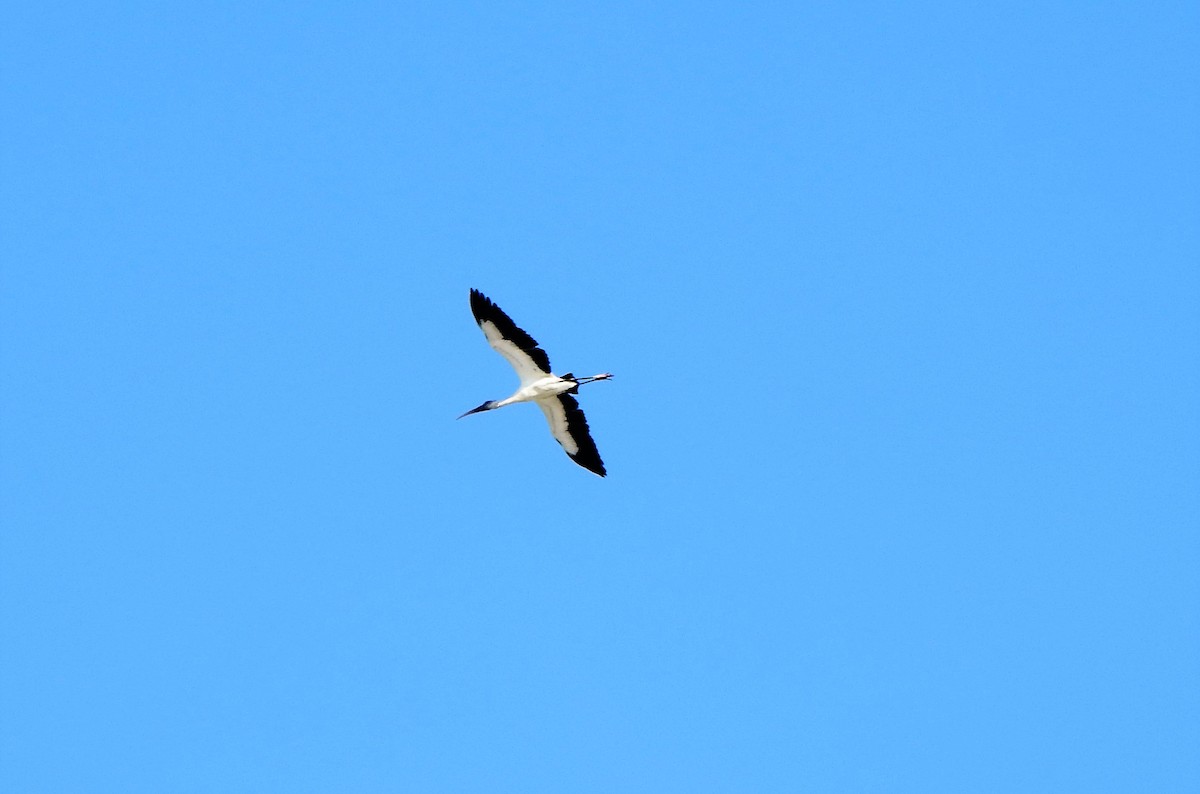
(519,348)
(570,428)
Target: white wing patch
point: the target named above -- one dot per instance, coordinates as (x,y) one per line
(527,371)
(556,416)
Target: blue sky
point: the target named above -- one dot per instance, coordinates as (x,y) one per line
(903,307)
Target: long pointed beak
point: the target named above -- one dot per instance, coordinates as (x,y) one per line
(483,407)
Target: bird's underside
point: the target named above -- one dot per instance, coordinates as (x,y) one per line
(551,393)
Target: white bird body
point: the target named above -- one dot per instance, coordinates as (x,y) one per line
(540,389)
(539,385)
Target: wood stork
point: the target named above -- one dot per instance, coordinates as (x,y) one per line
(551,393)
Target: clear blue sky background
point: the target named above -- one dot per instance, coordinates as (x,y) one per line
(903,303)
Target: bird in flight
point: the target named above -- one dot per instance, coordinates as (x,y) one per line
(552,393)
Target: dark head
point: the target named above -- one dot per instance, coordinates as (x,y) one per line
(487,406)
